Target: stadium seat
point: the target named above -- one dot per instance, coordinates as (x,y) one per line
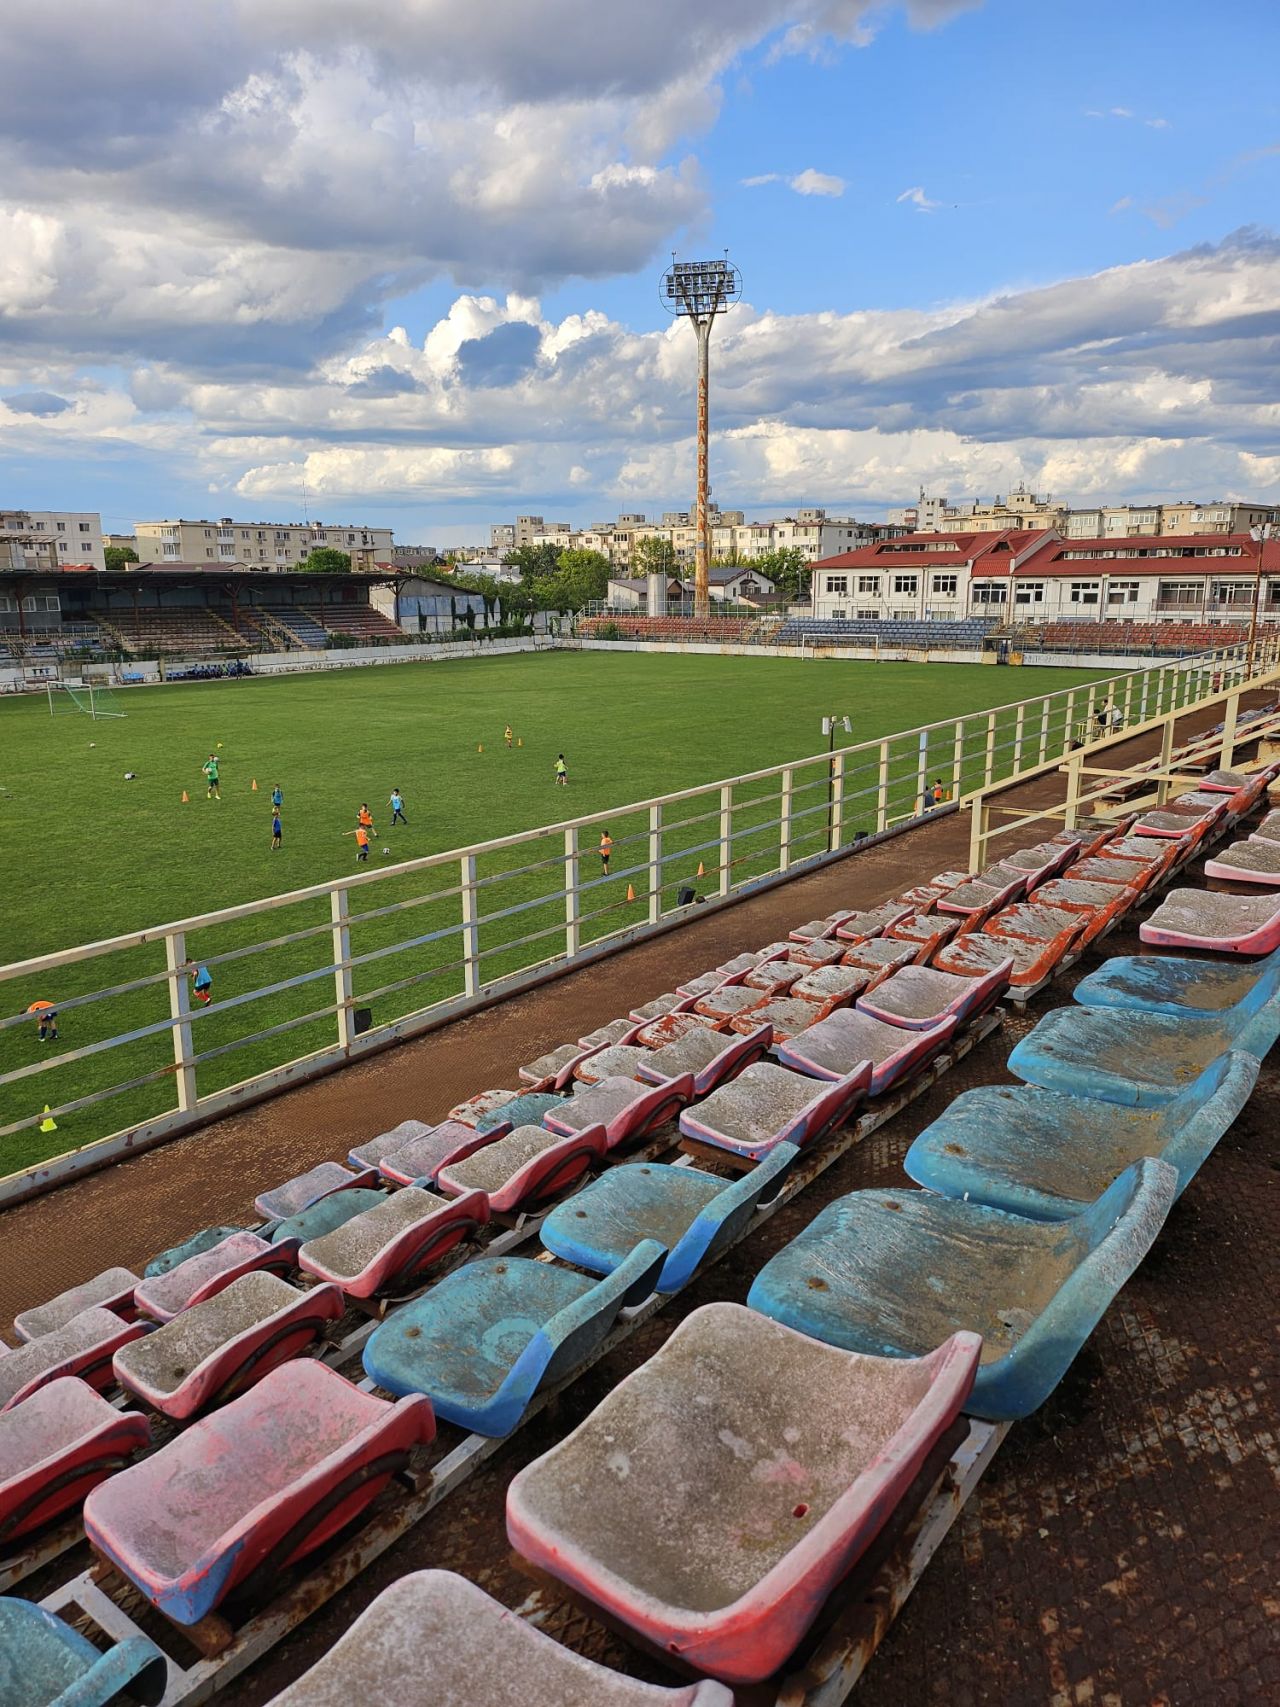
(433,1637)
(920,997)
(978,899)
(84,1346)
(774,977)
(692,1214)
(1241,999)
(199,1277)
(526,1109)
(219,1348)
(822,930)
(300,1193)
(819,951)
(725,1505)
(928,931)
(112,1289)
(45,1663)
(627,1109)
(766,1106)
(525,1166)
(482,1342)
(324,1216)
(244,1492)
(1223,924)
(427,1152)
(1034,959)
(900,1272)
(831,986)
(475,1108)
(1117,1055)
(54,1447)
(1256,860)
(370,1151)
(619,1060)
(1047,1155)
(846,1038)
(166,1261)
(729,1002)
(1041,860)
(1269,827)
(655,1033)
(710,1056)
(785,1016)
(669,1003)
(872,922)
(387,1249)
(879,957)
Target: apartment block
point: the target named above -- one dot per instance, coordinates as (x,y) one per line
(76,534)
(259,545)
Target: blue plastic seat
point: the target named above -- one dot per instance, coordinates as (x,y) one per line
(690,1213)
(897,1272)
(325,1216)
(1116,1055)
(1040,1153)
(484,1340)
(1241,998)
(45,1663)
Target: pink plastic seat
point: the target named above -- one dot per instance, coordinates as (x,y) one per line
(880,956)
(1103,868)
(920,997)
(605,1036)
(165,1295)
(527,1165)
(766,1106)
(818,930)
(874,922)
(386,1250)
(716,1530)
(370,1151)
(619,1060)
(424,1155)
(837,1044)
(784,1016)
(112,1289)
(219,1348)
(729,1001)
(978,899)
(774,977)
(667,1004)
(977,953)
(710,1056)
(1256,860)
(927,930)
(84,1346)
(831,986)
(627,1110)
(656,1033)
(822,951)
(54,1447)
(1030,921)
(483,1104)
(243,1493)
(300,1193)
(1226,924)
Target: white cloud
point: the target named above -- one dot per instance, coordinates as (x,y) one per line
(921,202)
(810,182)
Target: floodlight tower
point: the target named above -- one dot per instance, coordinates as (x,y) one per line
(700,290)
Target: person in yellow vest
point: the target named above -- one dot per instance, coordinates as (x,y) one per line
(508,733)
(562,772)
(606,850)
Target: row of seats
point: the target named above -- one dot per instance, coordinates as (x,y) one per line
(358,622)
(966,632)
(724,630)
(1108,634)
(230,1315)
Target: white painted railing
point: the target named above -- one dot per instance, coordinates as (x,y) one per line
(305,981)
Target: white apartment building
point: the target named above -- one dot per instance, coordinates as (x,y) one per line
(76,534)
(1023,509)
(259,545)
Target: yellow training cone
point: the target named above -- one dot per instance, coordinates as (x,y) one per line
(48,1124)
(631,892)
(186,798)
(519,740)
(253,786)
(702,870)
(480,747)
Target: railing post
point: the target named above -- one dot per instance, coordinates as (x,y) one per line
(989,770)
(1229,731)
(175,959)
(1017,738)
(1044,730)
(655,863)
(978,833)
(1128,700)
(784,819)
(836,837)
(572,916)
(1074,765)
(957,761)
(470,929)
(1146,683)
(1068,734)
(1088,711)
(922,768)
(342,967)
(1166,759)
(882,789)
(726,836)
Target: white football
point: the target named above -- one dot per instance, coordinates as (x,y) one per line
(386,850)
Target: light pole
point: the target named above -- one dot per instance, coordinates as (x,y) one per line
(699,290)
(829,727)
(1260,535)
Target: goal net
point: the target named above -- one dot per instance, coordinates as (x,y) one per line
(85,699)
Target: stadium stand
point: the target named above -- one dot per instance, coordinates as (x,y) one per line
(967,634)
(726,630)
(358,622)
(1167,638)
(149,633)
(301,628)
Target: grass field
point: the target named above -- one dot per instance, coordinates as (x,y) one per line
(88,855)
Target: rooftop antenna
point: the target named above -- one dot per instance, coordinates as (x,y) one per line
(699,290)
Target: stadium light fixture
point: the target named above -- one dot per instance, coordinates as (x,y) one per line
(698,291)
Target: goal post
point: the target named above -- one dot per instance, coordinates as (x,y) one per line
(66,699)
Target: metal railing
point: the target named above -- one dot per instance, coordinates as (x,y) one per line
(307,980)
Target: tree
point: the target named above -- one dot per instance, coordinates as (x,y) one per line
(582,577)
(654,555)
(118,555)
(535,562)
(325,560)
(788,569)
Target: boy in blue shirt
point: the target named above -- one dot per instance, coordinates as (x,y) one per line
(396,803)
(277,797)
(275,828)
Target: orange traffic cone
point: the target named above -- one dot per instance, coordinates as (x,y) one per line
(253,786)
(631,891)
(186,798)
(702,870)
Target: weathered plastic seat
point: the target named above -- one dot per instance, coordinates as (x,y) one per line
(619,1060)
(112,1289)
(386,1250)
(613,1032)
(978,899)
(979,952)
(784,1016)
(858,927)
(1070,895)
(45,1663)
(710,1056)
(927,930)
(692,1214)
(1046,1155)
(669,1003)
(1116,1055)
(554,1070)
(728,1001)
(766,1106)
(627,1109)
(524,1110)
(880,956)
(900,1271)
(452,1646)
(837,1044)
(1167,821)
(1256,860)
(199,1277)
(725,1504)
(1039,861)
(699,984)
(822,951)
(1105,868)
(84,1346)
(473,1109)
(219,1348)
(54,1447)
(369,1153)
(1239,998)
(1269,827)
(164,1262)
(818,930)
(773,977)
(323,1217)
(423,1156)
(1226,924)
(482,1342)
(301,1192)
(236,1498)
(920,997)
(525,1166)
(1231,782)
(654,1033)
(1033,921)
(1157,853)
(831,986)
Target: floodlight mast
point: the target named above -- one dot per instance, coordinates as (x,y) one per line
(699,290)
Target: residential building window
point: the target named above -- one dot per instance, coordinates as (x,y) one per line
(989,592)
(868,615)
(869,584)
(169,550)
(838,584)
(208,533)
(1122,593)
(906,584)
(1180,592)
(85,528)
(839,615)
(1028,592)
(1084,593)
(62,527)
(29,603)
(945,585)
(208,551)
(62,545)
(51,602)
(1232,592)
(226,550)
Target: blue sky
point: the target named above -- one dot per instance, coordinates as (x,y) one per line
(1039,244)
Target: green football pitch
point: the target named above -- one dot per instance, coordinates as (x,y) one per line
(88,854)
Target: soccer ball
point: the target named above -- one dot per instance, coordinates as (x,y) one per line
(93,743)
(386,850)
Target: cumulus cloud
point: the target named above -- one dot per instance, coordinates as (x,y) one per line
(807,183)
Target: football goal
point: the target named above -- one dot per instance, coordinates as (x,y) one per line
(85,698)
